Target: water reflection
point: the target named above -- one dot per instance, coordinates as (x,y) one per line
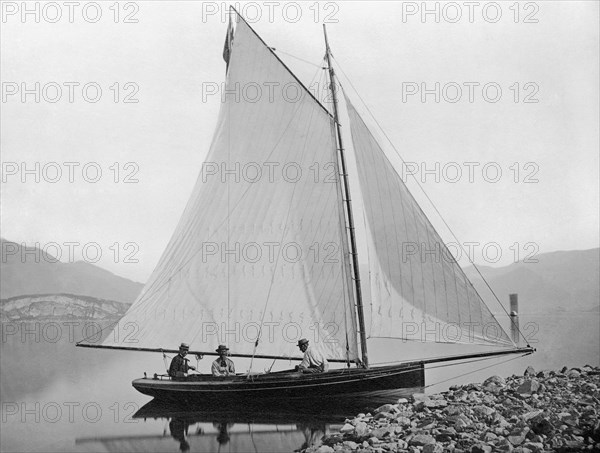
(56,397)
(261,426)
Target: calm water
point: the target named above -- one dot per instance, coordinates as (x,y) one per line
(56,397)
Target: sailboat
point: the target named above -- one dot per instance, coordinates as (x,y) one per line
(266,251)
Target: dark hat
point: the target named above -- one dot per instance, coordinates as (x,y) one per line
(184,346)
(222,347)
(302,341)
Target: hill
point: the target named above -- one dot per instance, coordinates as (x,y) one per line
(558,281)
(36,272)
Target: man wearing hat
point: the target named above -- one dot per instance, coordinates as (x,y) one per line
(223,366)
(313,361)
(179,365)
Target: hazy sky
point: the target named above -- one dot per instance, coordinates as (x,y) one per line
(540,131)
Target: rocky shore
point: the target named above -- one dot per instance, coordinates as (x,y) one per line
(539,411)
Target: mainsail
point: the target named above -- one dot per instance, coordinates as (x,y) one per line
(259,250)
(418,291)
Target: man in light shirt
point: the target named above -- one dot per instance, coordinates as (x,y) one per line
(313,361)
(223,366)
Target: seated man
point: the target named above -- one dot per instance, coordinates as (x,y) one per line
(223,366)
(179,365)
(313,361)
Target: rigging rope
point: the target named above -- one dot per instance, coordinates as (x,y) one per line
(474,371)
(434,206)
(297,58)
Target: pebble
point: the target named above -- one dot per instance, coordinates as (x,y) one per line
(537,412)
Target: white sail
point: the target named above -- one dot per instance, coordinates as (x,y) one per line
(418,291)
(260,244)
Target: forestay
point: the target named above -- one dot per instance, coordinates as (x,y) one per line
(261,242)
(418,291)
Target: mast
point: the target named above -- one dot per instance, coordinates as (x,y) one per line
(353,248)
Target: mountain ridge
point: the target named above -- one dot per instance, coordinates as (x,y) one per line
(44,274)
(560,280)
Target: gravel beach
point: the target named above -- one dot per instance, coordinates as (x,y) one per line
(539,411)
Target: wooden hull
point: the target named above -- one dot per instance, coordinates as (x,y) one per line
(286,384)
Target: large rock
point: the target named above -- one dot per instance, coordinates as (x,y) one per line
(454,410)
(402,444)
(434,404)
(426,423)
(421,440)
(373,440)
(386,408)
(483,411)
(347,428)
(517,436)
(530,371)
(504,445)
(522,450)
(489,437)
(383,415)
(531,415)
(325,449)
(418,397)
(496,380)
(534,446)
(333,439)
(481,448)
(461,424)
(541,425)
(403,421)
(361,429)
(575,445)
(529,386)
(380,433)
(433,448)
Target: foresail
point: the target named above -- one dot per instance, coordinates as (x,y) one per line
(418,291)
(260,244)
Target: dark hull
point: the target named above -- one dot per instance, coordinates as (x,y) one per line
(286,384)
(306,411)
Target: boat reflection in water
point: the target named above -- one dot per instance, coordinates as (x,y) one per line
(243,425)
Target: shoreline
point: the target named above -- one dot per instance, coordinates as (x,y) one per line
(538,411)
